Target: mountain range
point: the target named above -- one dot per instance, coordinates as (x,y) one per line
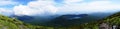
(62,20)
(70,21)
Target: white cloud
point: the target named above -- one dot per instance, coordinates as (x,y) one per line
(72,1)
(48,7)
(91,7)
(7,2)
(25,10)
(5,11)
(35,7)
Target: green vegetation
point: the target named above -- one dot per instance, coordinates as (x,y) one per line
(13,23)
(111,20)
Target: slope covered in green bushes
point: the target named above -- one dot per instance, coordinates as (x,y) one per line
(13,23)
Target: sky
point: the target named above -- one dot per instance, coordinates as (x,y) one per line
(53,7)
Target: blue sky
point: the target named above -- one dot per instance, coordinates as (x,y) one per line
(52,7)
(17,2)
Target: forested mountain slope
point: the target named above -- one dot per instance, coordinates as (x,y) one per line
(110,20)
(13,23)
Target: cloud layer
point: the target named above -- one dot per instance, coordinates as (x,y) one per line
(6,12)
(50,7)
(7,2)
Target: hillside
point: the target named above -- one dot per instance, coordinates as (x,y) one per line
(71,19)
(13,23)
(110,21)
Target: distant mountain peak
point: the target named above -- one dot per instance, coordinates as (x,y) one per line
(23,17)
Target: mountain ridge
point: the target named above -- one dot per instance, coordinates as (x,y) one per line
(110,20)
